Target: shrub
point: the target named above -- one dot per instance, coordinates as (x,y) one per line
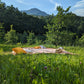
(22,38)
(81,41)
(2,32)
(31,38)
(11,37)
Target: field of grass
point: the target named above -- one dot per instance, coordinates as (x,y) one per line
(41,68)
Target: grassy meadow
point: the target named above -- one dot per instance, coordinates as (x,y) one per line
(41,68)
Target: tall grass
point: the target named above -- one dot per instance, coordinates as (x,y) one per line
(42,68)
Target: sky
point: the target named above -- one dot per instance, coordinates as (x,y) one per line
(48,6)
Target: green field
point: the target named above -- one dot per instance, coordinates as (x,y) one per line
(41,68)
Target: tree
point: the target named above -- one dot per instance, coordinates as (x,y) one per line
(2,32)
(21,21)
(81,28)
(24,37)
(31,38)
(54,29)
(56,32)
(10,36)
(81,40)
(2,5)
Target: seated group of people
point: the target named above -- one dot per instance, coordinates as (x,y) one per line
(39,49)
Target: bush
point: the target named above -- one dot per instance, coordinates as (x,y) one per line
(11,37)
(22,37)
(2,33)
(31,38)
(62,38)
(81,41)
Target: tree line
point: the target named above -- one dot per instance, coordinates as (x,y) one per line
(65,28)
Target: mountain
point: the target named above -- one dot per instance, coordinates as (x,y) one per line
(35,12)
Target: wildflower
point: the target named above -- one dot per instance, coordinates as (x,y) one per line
(45,67)
(80,62)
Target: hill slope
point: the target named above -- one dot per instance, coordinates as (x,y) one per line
(36,12)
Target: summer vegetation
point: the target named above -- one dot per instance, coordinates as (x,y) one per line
(65,28)
(41,68)
(17,29)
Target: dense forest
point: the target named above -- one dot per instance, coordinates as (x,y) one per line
(65,28)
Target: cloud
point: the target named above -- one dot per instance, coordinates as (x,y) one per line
(79,12)
(79,4)
(78,8)
(55,4)
(21,1)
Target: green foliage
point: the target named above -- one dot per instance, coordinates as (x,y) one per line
(40,39)
(2,32)
(42,68)
(21,21)
(24,37)
(81,28)
(55,29)
(81,40)
(67,38)
(57,26)
(2,5)
(62,29)
(1,50)
(19,35)
(11,37)
(31,38)
(53,34)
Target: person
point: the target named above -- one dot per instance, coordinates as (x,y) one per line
(62,51)
(39,49)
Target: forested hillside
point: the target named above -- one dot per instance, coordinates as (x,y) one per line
(21,21)
(65,28)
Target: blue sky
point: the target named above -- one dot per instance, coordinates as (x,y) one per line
(49,6)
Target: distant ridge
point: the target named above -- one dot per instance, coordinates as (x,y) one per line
(35,12)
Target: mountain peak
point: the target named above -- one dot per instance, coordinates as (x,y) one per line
(35,12)
(34,9)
